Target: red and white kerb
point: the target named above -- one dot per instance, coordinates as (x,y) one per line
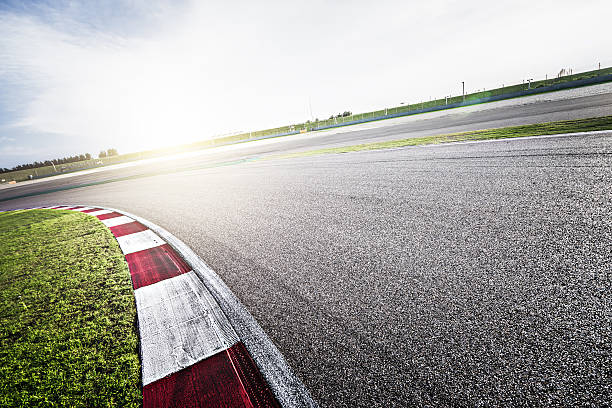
(191,355)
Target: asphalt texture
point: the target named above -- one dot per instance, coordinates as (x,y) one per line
(465,274)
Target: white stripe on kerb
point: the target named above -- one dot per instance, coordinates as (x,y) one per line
(177,319)
(139,241)
(287,388)
(82,209)
(100,212)
(113,222)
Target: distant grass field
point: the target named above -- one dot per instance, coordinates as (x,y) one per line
(549,128)
(67,314)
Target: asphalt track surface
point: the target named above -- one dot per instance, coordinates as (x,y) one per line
(465,274)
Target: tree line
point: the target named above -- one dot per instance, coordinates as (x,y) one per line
(57,162)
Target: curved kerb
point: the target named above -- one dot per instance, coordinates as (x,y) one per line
(224,346)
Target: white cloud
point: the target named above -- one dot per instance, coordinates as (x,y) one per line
(14,150)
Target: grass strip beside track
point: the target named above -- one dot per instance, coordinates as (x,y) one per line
(67,313)
(540,129)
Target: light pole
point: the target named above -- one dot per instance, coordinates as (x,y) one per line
(310,106)
(463,92)
(529,83)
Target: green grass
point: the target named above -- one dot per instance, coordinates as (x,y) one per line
(550,128)
(67,314)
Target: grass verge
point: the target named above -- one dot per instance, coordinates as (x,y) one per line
(67,314)
(549,128)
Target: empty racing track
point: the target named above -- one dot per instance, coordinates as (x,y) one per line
(452,275)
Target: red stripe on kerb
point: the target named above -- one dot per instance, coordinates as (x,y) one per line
(126,229)
(92,210)
(108,215)
(154,265)
(227,379)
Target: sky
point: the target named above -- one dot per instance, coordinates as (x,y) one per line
(82,76)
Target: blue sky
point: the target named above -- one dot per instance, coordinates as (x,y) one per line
(81,76)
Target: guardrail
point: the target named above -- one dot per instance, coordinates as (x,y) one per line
(492,98)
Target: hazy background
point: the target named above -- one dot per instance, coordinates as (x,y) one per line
(79,76)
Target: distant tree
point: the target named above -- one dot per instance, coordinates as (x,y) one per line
(346,113)
(561,73)
(102,154)
(111,152)
(36,164)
